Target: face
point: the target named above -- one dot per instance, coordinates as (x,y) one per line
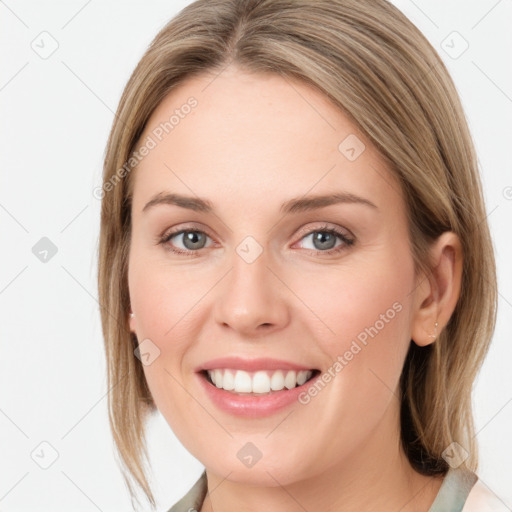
(262,274)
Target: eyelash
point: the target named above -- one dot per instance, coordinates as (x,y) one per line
(347,241)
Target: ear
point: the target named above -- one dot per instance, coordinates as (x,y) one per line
(436,294)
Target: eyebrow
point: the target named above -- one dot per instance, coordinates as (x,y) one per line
(294,205)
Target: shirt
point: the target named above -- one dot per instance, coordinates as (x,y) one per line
(451,497)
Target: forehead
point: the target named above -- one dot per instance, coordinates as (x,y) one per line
(240,134)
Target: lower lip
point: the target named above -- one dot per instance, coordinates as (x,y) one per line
(253,406)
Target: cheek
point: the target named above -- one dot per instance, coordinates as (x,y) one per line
(164,300)
(349,299)
(169,315)
(363,315)
(364,334)
(164,322)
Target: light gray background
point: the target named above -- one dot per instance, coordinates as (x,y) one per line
(56,113)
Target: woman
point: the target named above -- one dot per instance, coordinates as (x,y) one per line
(295,262)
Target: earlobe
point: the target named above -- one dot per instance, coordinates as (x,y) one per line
(434,336)
(131,321)
(426,333)
(437,294)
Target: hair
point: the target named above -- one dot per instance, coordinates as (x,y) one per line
(382,73)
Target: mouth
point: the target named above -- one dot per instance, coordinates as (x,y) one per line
(257,383)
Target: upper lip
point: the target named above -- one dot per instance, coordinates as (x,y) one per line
(249,365)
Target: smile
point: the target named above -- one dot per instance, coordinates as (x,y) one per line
(252,394)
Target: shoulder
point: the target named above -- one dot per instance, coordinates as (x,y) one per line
(193,500)
(481,499)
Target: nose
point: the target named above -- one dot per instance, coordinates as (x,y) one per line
(251,299)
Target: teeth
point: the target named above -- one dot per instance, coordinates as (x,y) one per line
(228,382)
(290,380)
(262,381)
(277,381)
(218,378)
(243,382)
(302,377)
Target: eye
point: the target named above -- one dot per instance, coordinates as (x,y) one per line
(324,240)
(192,240)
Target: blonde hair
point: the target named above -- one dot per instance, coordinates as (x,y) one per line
(378,68)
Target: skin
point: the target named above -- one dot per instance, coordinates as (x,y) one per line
(253,142)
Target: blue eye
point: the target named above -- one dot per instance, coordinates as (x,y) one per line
(193,240)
